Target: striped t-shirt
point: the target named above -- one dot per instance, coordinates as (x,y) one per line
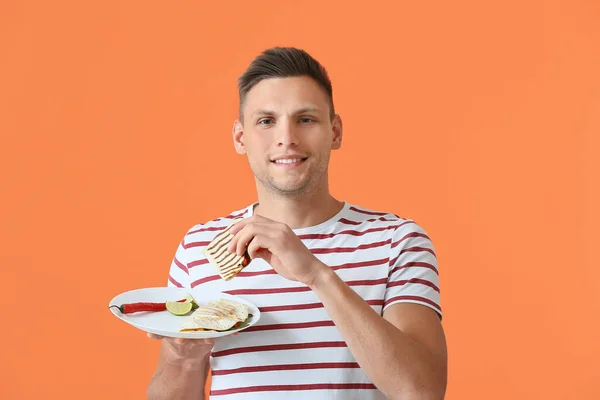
(295,351)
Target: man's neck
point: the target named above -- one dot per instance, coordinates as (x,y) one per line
(300,211)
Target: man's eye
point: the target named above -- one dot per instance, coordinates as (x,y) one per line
(265,121)
(306,120)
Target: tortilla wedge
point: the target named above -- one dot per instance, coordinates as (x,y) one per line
(219,315)
(228,265)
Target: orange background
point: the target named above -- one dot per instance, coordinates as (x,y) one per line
(478,120)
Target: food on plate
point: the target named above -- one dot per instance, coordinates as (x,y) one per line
(130,308)
(178,308)
(228,264)
(188,297)
(220,315)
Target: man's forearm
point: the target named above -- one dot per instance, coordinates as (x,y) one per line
(171,381)
(399,366)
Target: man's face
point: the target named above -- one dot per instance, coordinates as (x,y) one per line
(287,134)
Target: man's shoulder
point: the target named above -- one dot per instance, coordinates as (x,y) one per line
(208,229)
(357,214)
(367,219)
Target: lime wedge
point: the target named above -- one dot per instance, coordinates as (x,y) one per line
(177,308)
(189,298)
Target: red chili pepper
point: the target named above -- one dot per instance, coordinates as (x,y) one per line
(143,306)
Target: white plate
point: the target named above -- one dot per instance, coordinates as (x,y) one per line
(166,324)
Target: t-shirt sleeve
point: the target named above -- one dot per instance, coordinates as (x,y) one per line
(178,272)
(413,270)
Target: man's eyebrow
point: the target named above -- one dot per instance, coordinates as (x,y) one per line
(264,111)
(306,109)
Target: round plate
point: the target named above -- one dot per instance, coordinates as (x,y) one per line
(166,324)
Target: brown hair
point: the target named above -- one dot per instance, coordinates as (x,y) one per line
(284,62)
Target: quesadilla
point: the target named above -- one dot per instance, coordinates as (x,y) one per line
(228,264)
(217,316)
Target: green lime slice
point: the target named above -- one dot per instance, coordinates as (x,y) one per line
(177,308)
(189,298)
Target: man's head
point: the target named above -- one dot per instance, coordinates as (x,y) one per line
(287,125)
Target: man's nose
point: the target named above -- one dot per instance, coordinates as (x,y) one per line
(288,134)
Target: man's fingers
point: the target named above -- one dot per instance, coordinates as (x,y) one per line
(242,239)
(182,341)
(235,228)
(255,219)
(258,243)
(154,336)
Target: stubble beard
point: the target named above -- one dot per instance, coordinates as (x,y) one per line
(311,184)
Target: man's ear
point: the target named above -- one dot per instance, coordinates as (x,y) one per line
(337,127)
(238,137)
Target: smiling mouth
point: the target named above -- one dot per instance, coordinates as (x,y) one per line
(289,160)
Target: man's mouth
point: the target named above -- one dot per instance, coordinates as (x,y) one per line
(289,160)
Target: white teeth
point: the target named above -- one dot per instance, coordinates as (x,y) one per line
(288,161)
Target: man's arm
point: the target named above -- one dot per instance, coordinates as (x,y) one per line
(182,369)
(403,352)
(183,364)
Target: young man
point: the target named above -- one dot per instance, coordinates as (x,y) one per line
(349,297)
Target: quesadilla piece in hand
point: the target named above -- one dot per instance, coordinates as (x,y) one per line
(216,316)
(228,264)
